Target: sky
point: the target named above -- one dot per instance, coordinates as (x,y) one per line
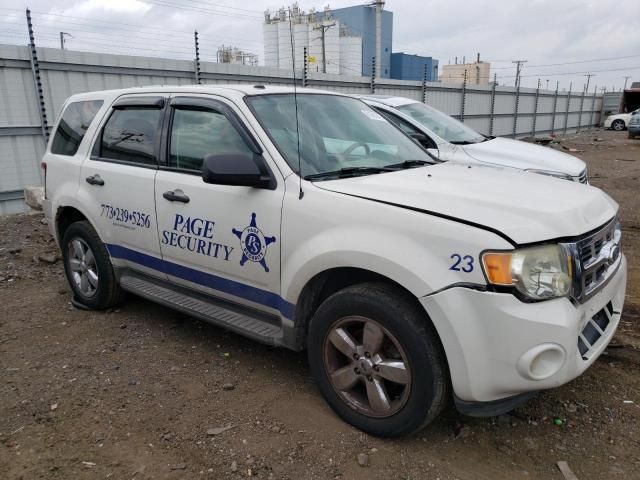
(562,40)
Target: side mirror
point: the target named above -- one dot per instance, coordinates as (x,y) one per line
(237,170)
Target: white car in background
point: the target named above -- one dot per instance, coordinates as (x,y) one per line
(449,139)
(620,121)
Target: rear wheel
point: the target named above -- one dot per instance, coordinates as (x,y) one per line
(88,267)
(618,125)
(377,360)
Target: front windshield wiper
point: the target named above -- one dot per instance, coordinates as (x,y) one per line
(348,171)
(467,142)
(409,164)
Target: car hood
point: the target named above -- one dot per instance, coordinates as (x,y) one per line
(524,156)
(523,206)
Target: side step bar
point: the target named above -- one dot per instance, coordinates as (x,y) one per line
(205,308)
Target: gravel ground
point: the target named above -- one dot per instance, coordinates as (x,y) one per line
(144,392)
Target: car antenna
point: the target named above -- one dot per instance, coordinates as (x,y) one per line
(295,99)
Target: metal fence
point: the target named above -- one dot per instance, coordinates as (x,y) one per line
(34,83)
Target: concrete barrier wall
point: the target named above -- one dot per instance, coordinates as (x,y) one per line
(510,111)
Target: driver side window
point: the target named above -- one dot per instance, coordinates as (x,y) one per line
(198,133)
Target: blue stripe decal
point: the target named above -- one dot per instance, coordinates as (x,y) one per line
(231,287)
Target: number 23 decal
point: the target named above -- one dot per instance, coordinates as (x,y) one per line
(462,263)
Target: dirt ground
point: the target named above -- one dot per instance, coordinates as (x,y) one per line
(135,392)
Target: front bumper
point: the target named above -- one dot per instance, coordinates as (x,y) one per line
(498,346)
(634,128)
(608,122)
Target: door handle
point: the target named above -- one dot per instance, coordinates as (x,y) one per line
(176,196)
(95,180)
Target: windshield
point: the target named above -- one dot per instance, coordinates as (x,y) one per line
(441,124)
(336,133)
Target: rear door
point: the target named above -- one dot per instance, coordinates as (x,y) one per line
(219,239)
(117,182)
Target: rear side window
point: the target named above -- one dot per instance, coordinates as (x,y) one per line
(131,135)
(73,125)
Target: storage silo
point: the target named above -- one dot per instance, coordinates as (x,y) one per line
(351,56)
(270,34)
(332,48)
(285,55)
(315,48)
(300,40)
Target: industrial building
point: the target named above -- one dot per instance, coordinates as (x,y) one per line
(341,41)
(363,21)
(413,67)
(235,56)
(478,73)
(330,47)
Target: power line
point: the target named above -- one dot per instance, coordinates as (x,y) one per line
(163,3)
(573,63)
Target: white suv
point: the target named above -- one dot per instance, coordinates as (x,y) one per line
(309,221)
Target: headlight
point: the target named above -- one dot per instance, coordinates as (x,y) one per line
(563,176)
(537,272)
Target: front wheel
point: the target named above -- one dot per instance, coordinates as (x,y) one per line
(617,125)
(88,267)
(378,360)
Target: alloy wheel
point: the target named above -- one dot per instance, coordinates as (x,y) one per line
(367,366)
(82,264)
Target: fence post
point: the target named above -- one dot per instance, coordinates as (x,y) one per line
(493,104)
(37,80)
(555,104)
(604,94)
(373,75)
(535,111)
(305,68)
(196,63)
(566,115)
(515,113)
(424,84)
(581,107)
(463,93)
(593,107)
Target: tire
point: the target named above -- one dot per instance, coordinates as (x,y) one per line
(618,125)
(88,268)
(631,135)
(415,396)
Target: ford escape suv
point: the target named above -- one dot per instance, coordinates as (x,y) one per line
(309,221)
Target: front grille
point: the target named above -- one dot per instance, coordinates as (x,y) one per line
(596,258)
(582,178)
(594,329)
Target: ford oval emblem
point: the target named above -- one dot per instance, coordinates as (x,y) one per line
(613,254)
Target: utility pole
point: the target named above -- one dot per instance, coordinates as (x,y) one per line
(62,39)
(519,64)
(379,5)
(627,77)
(589,75)
(323,30)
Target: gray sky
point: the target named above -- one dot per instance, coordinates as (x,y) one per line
(565,32)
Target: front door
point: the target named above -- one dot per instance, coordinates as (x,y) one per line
(221,240)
